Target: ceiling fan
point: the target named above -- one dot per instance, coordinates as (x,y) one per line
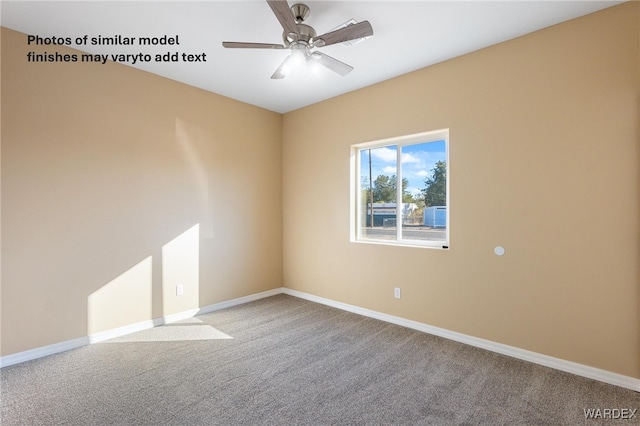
(302,38)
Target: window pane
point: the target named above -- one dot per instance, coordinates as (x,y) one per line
(424,191)
(401,190)
(378,171)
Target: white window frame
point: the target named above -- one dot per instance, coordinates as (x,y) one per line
(356,193)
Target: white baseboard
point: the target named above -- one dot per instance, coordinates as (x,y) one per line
(168,319)
(124,330)
(545,360)
(240,300)
(55,348)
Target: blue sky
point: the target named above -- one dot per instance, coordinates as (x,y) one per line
(417,162)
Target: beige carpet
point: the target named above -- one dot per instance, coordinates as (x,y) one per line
(284,360)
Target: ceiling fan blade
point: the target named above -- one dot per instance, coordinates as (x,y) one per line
(332,63)
(351,32)
(280,73)
(281,9)
(242,45)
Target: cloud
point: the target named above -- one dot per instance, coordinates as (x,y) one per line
(408,158)
(422,173)
(385,154)
(390,169)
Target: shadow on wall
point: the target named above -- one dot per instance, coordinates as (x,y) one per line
(128,298)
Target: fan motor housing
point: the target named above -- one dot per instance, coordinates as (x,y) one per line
(305,33)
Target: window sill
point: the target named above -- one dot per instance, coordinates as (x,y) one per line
(437,246)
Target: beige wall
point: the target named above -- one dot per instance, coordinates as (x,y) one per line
(117,185)
(544,160)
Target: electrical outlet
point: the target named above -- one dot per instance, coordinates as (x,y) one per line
(396,293)
(179,290)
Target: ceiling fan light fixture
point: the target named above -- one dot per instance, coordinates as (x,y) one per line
(300,52)
(297,60)
(295,63)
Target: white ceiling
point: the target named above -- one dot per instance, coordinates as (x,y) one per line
(408,35)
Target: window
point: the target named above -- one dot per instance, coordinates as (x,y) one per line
(415,212)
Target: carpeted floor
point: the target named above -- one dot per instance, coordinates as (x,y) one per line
(284,360)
